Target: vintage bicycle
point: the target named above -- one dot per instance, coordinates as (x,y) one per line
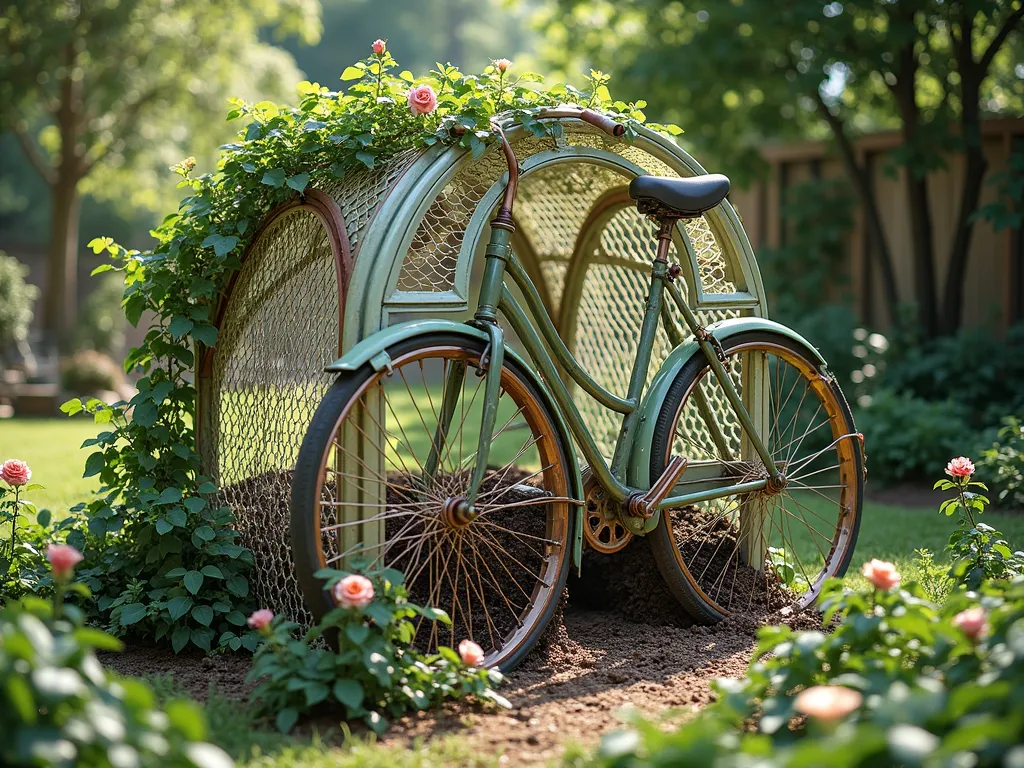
(448,451)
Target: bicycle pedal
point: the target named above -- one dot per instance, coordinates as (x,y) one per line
(643,505)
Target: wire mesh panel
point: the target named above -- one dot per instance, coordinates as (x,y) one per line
(280,329)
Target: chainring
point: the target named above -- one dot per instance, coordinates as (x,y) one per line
(602,528)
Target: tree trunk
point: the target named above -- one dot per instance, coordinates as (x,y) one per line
(921,244)
(61,312)
(970,195)
(860,177)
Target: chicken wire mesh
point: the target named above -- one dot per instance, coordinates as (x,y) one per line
(280,325)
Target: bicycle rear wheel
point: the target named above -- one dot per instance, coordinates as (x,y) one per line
(757,552)
(376,478)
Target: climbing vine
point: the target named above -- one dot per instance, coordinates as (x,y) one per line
(166,561)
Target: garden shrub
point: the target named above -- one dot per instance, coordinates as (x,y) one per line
(16,300)
(374,674)
(88,372)
(1003,464)
(901,680)
(166,561)
(61,708)
(905,436)
(100,325)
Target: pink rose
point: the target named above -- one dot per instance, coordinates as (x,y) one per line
(354,591)
(882,574)
(15,472)
(63,559)
(502,65)
(261,619)
(972,622)
(379,46)
(422,99)
(827,702)
(471,653)
(961,466)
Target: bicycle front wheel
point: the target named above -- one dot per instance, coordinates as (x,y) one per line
(387,456)
(758,552)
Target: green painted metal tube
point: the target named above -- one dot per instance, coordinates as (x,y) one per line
(521,324)
(712,494)
(492,391)
(555,344)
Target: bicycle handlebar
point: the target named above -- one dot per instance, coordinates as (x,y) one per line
(504,217)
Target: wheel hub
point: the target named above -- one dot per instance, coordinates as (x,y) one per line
(458,512)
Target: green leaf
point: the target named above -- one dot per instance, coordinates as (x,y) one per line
(193,581)
(350,693)
(43,518)
(195,504)
(299,181)
(97,638)
(213,572)
(237,618)
(94,465)
(132,614)
(357,633)
(163,526)
(274,178)
(237,585)
(225,244)
(179,327)
(71,407)
(178,607)
(169,496)
(177,517)
(203,614)
(288,716)
(366,158)
(205,334)
(145,414)
(205,532)
(351,73)
(180,637)
(315,693)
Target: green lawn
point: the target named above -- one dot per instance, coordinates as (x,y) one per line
(52,449)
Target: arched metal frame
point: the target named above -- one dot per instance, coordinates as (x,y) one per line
(388,211)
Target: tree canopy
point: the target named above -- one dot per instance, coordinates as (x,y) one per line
(103,97)
(735,73)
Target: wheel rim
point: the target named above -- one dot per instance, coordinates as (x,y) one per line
(761,551)
(495,575)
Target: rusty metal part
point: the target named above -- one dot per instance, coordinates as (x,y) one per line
(603,122)
(602,529)
(643,505)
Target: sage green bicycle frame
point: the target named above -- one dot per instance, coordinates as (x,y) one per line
(543,346)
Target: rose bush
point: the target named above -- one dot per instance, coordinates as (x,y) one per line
(371,671)
(60,707)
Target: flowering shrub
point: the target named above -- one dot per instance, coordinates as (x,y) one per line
(374,673)
(977,550)
(60,707)
(901,681)
(171,566)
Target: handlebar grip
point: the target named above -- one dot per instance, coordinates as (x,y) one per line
(606,124)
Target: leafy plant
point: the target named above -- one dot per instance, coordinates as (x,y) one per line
(978,551)
(1003,463)
(907,682)
(16,512)
(62,708)
(374,674)
(88,372)
(165,558)
(933,577)
(16,300)
(906,436)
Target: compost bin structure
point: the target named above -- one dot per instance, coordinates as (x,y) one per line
(402,240)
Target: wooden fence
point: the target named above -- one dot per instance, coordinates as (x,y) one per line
(994,293)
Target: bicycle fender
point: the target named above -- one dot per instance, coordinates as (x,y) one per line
(373,350)
(650,407)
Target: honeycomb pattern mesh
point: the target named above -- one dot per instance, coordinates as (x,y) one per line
(606,331)
(281,324)
(433,254)
(280,330)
